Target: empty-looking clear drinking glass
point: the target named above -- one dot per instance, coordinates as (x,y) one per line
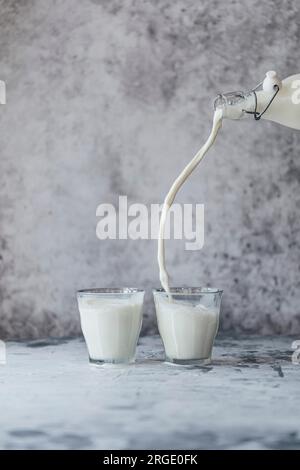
(111,321)
(188,322)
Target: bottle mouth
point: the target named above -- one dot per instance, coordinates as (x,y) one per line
(219,102)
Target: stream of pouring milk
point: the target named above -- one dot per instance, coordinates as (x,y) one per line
(180,180)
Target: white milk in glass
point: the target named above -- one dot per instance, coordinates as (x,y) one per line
(111,325)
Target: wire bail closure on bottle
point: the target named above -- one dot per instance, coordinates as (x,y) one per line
(257,116)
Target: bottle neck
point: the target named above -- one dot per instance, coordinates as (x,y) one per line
(236,105)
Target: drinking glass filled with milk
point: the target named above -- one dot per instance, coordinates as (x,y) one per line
(111,321)
(188,320)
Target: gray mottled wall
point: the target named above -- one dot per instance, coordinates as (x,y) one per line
(109,97)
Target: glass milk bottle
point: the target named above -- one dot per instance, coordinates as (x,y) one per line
(277,101)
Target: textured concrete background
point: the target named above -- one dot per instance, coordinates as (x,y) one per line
(115,97)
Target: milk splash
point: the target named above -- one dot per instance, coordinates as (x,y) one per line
(180,180)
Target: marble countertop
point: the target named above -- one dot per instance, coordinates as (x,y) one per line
(248,398)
